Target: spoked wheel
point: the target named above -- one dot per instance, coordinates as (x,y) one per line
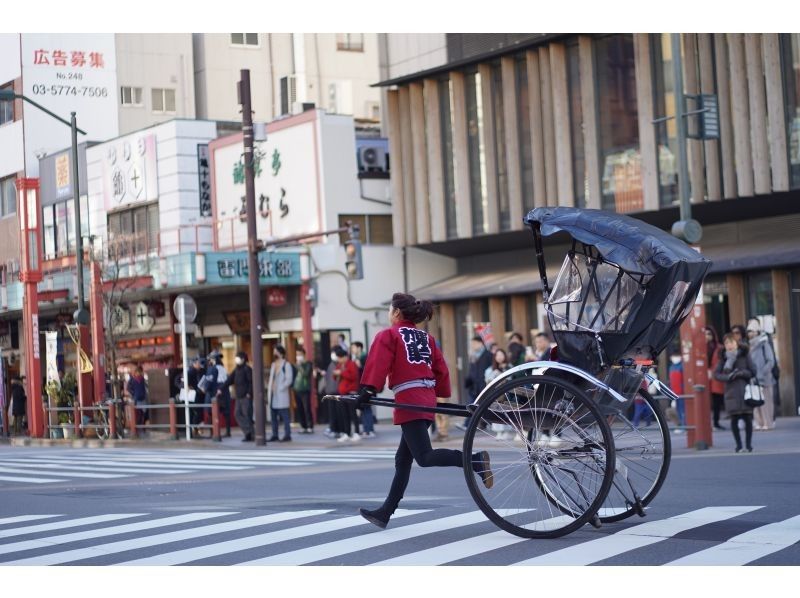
(643,453)
(551,456)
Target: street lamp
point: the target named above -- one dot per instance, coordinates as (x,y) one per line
(81,314)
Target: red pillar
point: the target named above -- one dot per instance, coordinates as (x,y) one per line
(308,341)
(33,368)
(98,333)
(693,347)
(176,338)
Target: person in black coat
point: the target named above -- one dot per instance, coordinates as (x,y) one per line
(243,387)
(480,360)
(19,403)
(736,369)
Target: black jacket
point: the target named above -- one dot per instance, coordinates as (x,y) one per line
(735,380)
(476,375)
(243,381)
(18,400)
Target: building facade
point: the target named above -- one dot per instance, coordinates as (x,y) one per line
(483,128)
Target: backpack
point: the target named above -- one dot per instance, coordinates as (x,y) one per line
(294,372)
(776,371)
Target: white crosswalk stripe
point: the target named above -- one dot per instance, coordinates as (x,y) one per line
(749,546)
(317,535)
(49,468)
(635,537)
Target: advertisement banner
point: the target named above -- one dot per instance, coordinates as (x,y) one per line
(51,348)
(231,268)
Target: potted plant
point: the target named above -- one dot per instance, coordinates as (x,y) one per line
(53,391)
(66,424)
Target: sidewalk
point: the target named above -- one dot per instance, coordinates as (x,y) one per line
(785,438)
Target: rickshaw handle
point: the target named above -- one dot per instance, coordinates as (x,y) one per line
(441,408)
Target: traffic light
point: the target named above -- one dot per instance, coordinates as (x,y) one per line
(352,256)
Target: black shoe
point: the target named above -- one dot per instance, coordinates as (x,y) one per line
(748,449)
(247,438)
(481,466)
(228,434)
(286,439)
(719,427)
(272,439)
(377,517)
(738,449)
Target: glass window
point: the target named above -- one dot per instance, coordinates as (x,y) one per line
(501,172)
(237,38)
(380,229)
(618,119)
(448,160)
(7,109)
(163,100)
(759,295)
(70,249)
(667,132)
(61,228)
(672,302)
(350,42)
(356,219)
(130,96)
(580,176)
(791,66)
(8,196)
(476,147)
(49,232)
(244,39)
(524,133)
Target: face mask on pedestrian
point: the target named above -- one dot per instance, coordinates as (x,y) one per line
(300,359)
(238,361)
(334,357)
(675,359)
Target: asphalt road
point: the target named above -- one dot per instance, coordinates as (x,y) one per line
(299,505)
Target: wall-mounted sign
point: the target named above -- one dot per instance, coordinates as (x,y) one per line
(231,268)
(120,319)
(144,321)
(130,170)
(63,188)
(276,296)
(204,179)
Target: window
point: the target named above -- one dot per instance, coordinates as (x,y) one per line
(244,39)
(618,119)
(580,177)
(7,108)
(8,196)
(759,295)
(476,150)
(350,42)
(448,160)
(667,132)
(130,96)
(163,100)
(288,93)
(790,43)
(501,172)
(374,229)
(524,133)
(134,231)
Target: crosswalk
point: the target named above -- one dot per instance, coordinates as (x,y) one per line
(415,537)
(88,466)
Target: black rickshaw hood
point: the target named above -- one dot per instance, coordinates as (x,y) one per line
(633,245)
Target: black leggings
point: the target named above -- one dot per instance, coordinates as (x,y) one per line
(717,403)
(415,445)
(748,429)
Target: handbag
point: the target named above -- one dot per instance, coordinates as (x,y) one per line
(753,394)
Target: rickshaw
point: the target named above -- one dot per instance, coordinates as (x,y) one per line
(564,446)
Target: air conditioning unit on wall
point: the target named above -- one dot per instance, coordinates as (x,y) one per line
(373,155)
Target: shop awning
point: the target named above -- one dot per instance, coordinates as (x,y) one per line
(753,254)
(484,284)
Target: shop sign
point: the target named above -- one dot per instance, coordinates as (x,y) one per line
(276,297)
(144,321)
(231,268)
(204,179)
(130,170)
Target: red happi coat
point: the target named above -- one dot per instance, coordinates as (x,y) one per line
(404,352)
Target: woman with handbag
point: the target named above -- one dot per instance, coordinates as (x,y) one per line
(736,369)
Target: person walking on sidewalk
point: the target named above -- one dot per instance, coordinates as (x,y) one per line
(19,404)
(346,373)
(302,392)
(717,387)
(763,358)
(243,387)
(735,369)
(218,387)
(280,381)
(417,374)
(359,357)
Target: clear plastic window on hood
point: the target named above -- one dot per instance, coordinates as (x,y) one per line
(593,295)
(672,302)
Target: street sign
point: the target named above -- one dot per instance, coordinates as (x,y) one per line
(190,307)
(190,328)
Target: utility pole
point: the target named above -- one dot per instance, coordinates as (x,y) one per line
(253,247)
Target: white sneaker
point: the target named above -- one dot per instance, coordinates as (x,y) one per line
(342,438)
(542,441)
(354,437)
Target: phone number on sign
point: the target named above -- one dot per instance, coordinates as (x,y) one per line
(71,90)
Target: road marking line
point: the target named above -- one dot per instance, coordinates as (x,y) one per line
(51,541)
(100,550)
(637,536)
(47,527)
(8,478)
(21,518)
(154,464)
(68,474)
(117,469)
(372,540)
(749,546)
(203,552)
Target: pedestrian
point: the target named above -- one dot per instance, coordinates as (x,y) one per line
(19,404)
(516,350)
(280,381)
(717,387)
(675,375)
(497,368)
(736,369)
(330,386)
(359,357)
(302,392)
(493,348)
(479,360)
(242,379)
(217,377)
(417,374)
(739,333)
(137,390)
(763,358)
(346,373)
(541,347)
(341,341)
(196,374)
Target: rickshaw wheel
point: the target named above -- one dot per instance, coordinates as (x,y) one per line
(643,454)
(539,423)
